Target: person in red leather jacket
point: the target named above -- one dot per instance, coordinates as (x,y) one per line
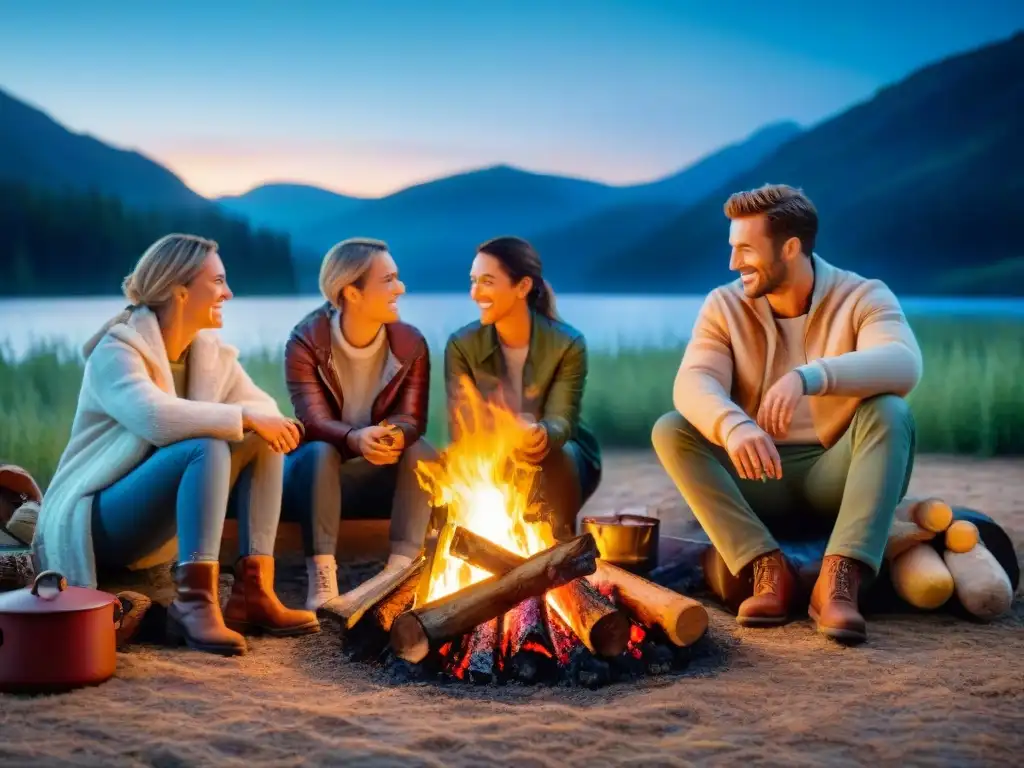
(358,380)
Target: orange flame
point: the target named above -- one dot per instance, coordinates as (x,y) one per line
(486,488)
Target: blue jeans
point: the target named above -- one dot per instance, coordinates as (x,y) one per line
(185,489)
(319,486)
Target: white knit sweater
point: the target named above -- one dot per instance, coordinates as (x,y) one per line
(127,405)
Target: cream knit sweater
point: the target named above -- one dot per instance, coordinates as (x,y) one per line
(857,342)
(127,405)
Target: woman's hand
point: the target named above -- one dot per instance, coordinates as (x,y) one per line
(280,433)
(534,448)
(379,445)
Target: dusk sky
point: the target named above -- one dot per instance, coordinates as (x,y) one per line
(368,97)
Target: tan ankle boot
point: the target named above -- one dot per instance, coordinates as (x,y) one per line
(774,591)
(195,618)
(255,607)
(834,600)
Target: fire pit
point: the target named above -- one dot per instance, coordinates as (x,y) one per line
(493,596)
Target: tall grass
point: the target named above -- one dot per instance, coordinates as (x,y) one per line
(971,400)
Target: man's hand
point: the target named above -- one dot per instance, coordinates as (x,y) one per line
(377,444)
(779,403)
(753,452)
(280,433)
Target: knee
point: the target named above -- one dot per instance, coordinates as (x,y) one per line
(558,461)
(670,432)
(885,412)
(420,450)
(323,456)
(210,449)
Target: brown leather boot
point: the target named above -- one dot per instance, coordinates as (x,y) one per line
(254,606)
(834,600)
(195,618)
(774,591)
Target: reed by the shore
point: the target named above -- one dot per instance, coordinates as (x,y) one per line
(970,401)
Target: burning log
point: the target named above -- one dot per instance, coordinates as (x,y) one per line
(601,627)
(483,553)
(405,580)
(683,620)
(525,647)
(476,660)
(435,528)
(573,657)
(366,624)
(415,633)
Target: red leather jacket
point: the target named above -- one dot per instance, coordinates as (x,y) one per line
(316,391)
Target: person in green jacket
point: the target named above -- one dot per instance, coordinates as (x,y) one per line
(520,353)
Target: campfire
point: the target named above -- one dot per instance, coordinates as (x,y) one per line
(493,596)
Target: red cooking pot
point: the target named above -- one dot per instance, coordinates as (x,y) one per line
(56,638)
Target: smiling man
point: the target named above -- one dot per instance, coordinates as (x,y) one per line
(790,412)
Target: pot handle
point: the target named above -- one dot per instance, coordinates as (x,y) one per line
(62,583)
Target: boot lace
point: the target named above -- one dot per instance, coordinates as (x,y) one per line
(766,572)
(841,572)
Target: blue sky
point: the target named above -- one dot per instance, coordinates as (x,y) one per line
(366,98)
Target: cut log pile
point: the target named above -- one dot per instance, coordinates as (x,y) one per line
(561,615)
(935,559)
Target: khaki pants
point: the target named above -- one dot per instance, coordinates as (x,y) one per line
(854,486)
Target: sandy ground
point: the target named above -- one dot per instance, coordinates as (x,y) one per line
(924,690)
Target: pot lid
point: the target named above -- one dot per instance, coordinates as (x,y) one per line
(50,593)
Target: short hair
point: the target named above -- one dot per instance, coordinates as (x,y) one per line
(788,211)
(346,263)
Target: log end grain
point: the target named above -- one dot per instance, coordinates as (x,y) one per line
(610,634)
(409,640)
(690,625)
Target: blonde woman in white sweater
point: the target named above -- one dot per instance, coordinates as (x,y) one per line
(169,430)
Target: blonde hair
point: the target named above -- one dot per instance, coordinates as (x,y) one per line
(171,261)
(346,264)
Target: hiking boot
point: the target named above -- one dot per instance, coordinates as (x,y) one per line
(254,606)
(195,618)
(774,591)
(834,600)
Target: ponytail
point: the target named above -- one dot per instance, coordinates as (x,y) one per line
(521,260)
(542,299)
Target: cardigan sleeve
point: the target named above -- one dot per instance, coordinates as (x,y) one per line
(118,377)
(886,358)
(704,380)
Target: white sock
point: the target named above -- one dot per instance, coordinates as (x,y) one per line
(322,578)
(397,561)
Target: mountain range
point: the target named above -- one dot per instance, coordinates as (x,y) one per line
(433,227)
(922,186)
(919,185)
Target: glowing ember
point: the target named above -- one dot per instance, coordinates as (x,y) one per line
(486,488)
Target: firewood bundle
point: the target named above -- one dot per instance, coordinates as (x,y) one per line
(933,558)
(561,614)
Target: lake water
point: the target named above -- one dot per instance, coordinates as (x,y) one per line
(608,322)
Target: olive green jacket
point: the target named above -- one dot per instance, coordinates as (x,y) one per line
(554,376)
